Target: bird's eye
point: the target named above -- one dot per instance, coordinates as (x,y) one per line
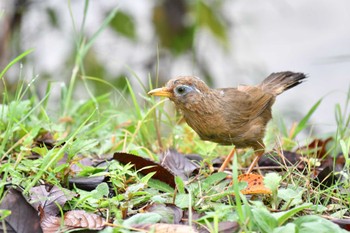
(181,90)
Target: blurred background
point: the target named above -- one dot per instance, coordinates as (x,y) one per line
(226,43)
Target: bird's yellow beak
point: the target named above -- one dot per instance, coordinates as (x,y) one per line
(160,92)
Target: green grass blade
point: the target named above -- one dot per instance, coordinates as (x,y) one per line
(134,100)
(53,155)
(14,61)
(302,124)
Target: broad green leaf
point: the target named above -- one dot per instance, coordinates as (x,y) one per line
(183,201)
(101,191)
(159,199)
(289,228)
(290,196)
(142,218)
(265,221)
(272,180)
(313,223)
(213,179)
(159,185)
(180,185)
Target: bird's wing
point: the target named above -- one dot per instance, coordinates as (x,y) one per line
(246,102)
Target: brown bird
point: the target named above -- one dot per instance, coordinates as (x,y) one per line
(229,116)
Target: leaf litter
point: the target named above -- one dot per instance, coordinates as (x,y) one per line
(48,200)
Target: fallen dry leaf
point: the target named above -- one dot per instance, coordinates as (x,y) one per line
(24,218)
(162,173)
(83,219)
(74,219)
(49,198)
(255,184)
(52,224)
(45,139)
(178,164)
(319,145)
(343,223)
(86,183)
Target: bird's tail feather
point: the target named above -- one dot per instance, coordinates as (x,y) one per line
(276,83)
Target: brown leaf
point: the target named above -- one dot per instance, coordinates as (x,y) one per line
(49,197)
(83,219)
(228,227)
(223,227)
(140,164)
(319,145)
(86,183)
(45,139)
(74,219)
(24,218)
(52,224)
(178,164)
(343,223)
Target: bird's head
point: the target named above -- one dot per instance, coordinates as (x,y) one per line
(183,91)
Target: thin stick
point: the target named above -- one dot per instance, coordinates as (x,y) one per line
(255,161)
(227,160)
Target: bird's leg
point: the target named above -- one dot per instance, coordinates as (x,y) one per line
(227,160)
(258,154)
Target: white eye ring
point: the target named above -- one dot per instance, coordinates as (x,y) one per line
(182,90)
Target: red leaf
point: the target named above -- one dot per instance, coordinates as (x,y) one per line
(140,164)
